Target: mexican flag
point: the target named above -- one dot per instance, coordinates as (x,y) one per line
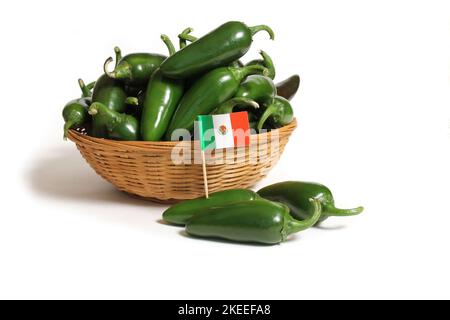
(224,130)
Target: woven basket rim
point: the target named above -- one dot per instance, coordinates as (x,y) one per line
(75,135)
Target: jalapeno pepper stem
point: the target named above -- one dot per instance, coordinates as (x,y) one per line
(269,111)
(187,37)
(336,212)
(168,44)
(110,74)
(228,106)
(183,42)
(118,54)
(268,63)
(262,27)
(292,225)
(91,85)
(132,101)
(84,89)
(242,73)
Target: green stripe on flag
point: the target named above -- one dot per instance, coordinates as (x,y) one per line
(206,129)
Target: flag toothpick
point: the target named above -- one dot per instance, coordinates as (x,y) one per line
(222,131)
(205,177)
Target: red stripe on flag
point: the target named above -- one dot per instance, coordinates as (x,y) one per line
(241,129)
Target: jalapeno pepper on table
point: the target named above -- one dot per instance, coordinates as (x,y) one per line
(210,91)
(160,102)
(181,212)
(259,221)
(218,48)
(296,195)
(118,126)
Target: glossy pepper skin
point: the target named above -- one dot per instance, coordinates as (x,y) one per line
(210,91)
(279,112)
(267,62)
(180,213)
(118,126)
(228,106)
(75,112)
(258,88)
(135,69)
(186,36)
(296,195)
(160,102)
(218,48)
(110,93)
(259,221)
(289,87)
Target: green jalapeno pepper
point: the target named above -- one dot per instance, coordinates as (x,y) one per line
(75,112)
(218,48)
(210,91)
(135,68)
(181,212)
(228,106)
(118,126)
(279,112)
(258,88)
(266,61)
(110,93)
(186,36)
(258,221)
(289,87)
(296,195)
(161,100)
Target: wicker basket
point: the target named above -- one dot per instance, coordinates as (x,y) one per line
(146,169)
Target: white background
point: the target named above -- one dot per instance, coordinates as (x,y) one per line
(373,114)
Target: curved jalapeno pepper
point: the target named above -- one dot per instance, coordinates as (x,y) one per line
(210,91)
(180,213)
(228,106)
(218,48)
(161,100)
(258,221)
(279,112)
(118,126)
(289,87)
(266,61)
(258,88)
(296,195)
(135,68)
(110,93)
(75,112)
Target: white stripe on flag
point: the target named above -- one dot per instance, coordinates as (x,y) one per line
(223,140)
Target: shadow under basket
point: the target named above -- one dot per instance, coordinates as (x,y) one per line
(171,171)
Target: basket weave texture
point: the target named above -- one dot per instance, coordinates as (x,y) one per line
(147,169)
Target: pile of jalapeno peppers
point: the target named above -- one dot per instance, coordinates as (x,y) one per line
(268,216)
(147,96)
